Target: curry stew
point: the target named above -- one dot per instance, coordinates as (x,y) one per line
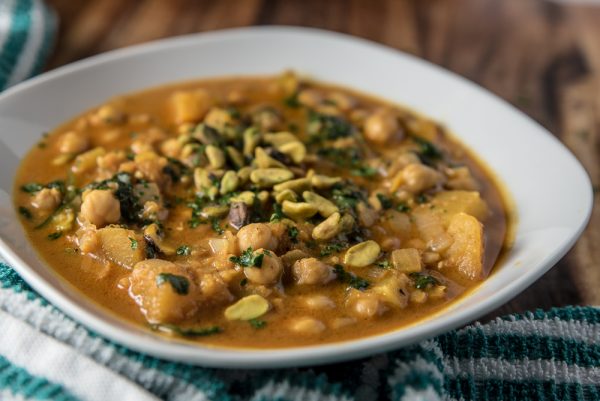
(261,212)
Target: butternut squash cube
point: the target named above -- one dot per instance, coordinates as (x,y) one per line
(121,246)
(189,106)
(467,251)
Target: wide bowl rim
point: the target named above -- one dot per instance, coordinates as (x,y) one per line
(270,358)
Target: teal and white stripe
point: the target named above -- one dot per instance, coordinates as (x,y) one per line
(27,29)
(535,356)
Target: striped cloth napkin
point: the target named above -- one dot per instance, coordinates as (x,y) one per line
(44,355)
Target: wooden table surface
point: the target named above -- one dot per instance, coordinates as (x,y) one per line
(542,56)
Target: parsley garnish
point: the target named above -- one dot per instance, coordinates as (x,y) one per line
(215,224)
(249,259)
(257,323)
(325,127)
(422,281)
(293,234)
(331,248)
(403,207)
(277,213)
(364,171)
(385,201)
(134,243)
(32,187)
(183,250)
(351,279)
(180,284)
(292,101)
(427,150)
(55,235)
(23,211)
(188,332)
(421,198)
(384,264)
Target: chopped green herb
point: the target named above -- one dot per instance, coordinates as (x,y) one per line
(188,332)
(293,234)
(327,127)
(134,243)
(55,235)
(292,101)
(249,259)
(23,211)
(215,224)
(385,201)
(428,152)
(384,264)
(180,284)
(351,279)
(332,248)
(346,198)
(422,281)
(32,187)
(364,171)
(403,207)
(421,198)
(277,213)
(183,250)
(257,323)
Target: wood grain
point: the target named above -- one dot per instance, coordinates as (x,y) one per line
(541,56)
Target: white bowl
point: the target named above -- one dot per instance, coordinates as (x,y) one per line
(551,191)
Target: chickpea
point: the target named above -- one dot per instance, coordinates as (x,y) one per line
(255,236)
(382,127)
(312,271)
(307,325)
(47,199)
(365,304)
(218,118)
(419,177)
(310,97)
(319,302)
(343,101)
(72,142)
(100,207)
(270,270)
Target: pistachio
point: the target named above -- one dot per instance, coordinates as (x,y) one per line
(229,182)
(295,150)
(246,197)
(298,185)
(347,223)
(323,181)
(62,159)
(251,140)
(202,179)
(325,207)
(247,308)
(286,194)
(328,228)
(278,139)
(207,135)
(215,211)
(244,174)
(216,157)
(299,210)
(262,196)
(235,156)
(263,160)
(362,254)
(267,177)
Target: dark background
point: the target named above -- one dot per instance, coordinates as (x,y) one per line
(542,56)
